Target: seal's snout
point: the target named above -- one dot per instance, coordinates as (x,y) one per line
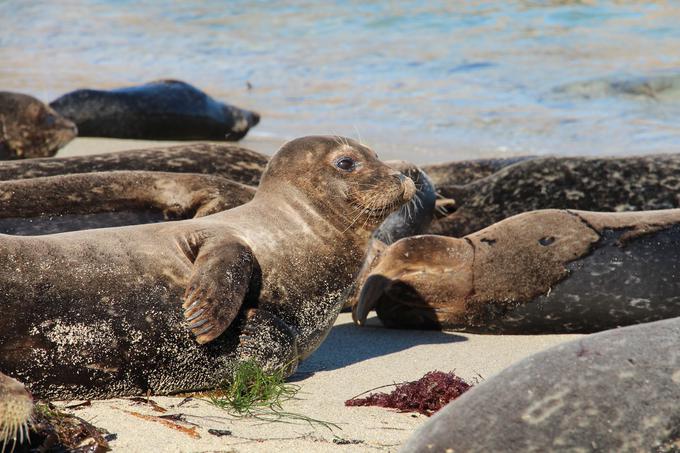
(16,411)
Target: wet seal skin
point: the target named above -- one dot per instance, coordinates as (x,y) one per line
(29,128)
(616,390)
(229,161)
(160,110)
(54,204)
(172,307)
(550,271)
(587,183)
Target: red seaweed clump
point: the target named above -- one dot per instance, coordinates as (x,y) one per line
(426,395)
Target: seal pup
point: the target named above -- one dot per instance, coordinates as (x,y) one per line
(29,128)
(16,412)
(612,391)
(172,307)
(586,183)
(228,161)
(550,271)
(160,110)
(79,201)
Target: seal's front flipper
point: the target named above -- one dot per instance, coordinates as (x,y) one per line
(217,287)
(268,341)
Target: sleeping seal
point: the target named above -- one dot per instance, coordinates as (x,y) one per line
(29,128)
(172,307)
(549,271)
(160,110)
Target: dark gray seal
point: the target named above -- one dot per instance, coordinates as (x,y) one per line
(79,201)
(585,183)
(229,161)
(457,173)
(172,307)
(29,128)
(161,110)
(613,391)
(544,271)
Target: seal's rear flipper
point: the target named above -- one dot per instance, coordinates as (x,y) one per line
(268,341)
(217,287)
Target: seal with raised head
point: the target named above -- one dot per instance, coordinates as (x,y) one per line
(29,128)
(173,306)
(612,391)
(550,271)
(613,184)
(160,110)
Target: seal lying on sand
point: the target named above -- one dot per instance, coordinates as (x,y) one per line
(29,128)
(539,272)
(160,110)
(229,161)
(102,313)
(585,183)
(613,391)
(54,204)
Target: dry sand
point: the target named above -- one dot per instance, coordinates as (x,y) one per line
(351,361)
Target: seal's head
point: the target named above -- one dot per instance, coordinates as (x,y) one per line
(418,282)
(29,128)
(16,411)
(340,177)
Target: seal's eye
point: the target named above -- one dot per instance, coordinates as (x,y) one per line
(345,163)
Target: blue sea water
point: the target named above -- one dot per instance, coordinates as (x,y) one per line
(421,80)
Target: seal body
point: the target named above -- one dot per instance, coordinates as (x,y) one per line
(161,110)
(457,173)
(171,307)
(29,128)
(612,391)
(54,204)
(539,272)
(228,161)
(584,183)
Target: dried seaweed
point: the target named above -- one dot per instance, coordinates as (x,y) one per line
(426,395)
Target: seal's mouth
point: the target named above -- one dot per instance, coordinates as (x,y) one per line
(377,203)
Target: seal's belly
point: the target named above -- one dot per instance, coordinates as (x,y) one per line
(98,317)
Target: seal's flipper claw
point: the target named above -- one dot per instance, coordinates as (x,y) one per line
(217,287)
(372,291)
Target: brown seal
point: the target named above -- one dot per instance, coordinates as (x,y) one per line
(613,184)
(229,161)
(80,201)
(29,128)
(537,272)
(102,313)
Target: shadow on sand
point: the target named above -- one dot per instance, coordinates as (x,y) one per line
(347,344)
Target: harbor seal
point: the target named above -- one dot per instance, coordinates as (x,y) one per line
(172,307)
(550,271)
(29,128)
(586,183)
(612,391)
(160,110)
(461,172)
(229,161)
(55,204)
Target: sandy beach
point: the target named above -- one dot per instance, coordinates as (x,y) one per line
(352,360)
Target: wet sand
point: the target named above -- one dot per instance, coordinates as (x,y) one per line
(351,361)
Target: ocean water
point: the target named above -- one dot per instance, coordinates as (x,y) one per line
(420,80)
